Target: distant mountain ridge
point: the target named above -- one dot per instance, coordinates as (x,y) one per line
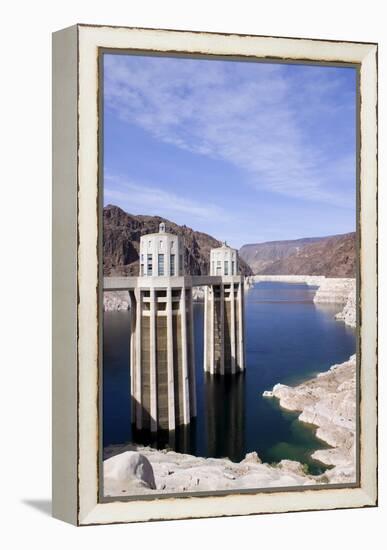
(333,256)
(261,255)
(121,243)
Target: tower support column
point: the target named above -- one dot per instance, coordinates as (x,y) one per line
(212,330)
(185,381)
(232,327)
(137,365)
(192,369)
(241,328)
(133,320)
(221,329)
(153,363)
(205,339)
(171,389)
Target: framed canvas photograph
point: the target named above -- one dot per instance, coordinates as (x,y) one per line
(214,274)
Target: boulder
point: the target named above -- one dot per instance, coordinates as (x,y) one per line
(128,470)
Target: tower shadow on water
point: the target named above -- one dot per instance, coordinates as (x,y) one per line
(224,402)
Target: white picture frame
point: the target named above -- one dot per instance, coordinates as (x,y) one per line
(77,272)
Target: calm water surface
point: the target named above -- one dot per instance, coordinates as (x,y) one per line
(288,339)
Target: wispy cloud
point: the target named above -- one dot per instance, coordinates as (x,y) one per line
(139,198)
(258,120)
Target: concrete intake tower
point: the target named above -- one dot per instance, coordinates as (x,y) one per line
(224,340)
(162,347)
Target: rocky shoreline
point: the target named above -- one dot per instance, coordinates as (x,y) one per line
(327,401)
(143,470)
(334,291)
(116,300)
(348,314)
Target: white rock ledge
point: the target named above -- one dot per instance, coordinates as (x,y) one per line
(335,291)
(328,401)
(116,300)
(176,472)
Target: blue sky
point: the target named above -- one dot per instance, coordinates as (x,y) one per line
(247,152)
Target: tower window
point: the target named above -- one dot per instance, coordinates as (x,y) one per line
(181,264)
(161,264)
(172,265)
(142,270)
(149,264)
(218,267)
(233,268)
(226,267)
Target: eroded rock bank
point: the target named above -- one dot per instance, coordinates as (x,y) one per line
(348,314)
(328,401)
(339,291)
(115,300)
(334,291)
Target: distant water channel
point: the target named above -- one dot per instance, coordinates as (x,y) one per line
(288,339)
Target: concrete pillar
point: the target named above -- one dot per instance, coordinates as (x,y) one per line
(153,365)
(221,329)
(137,393)
(212,327)
(205,339)
(232,328)
(240,327)
(243,323)
(133,311)
(183,318)
(192,358)
(171,389)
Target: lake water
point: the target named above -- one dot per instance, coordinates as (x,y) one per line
(288,339)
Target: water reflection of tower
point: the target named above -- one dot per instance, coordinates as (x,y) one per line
(225,422)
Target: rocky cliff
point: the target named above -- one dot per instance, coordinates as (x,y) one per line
(348,315)
(334,290)
(259,256)
(121,243)
(329,256)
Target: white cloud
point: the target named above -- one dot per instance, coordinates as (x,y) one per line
(141,198)
(233,113)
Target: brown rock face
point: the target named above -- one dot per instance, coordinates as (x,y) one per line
(331,256)
(121,243)
(261,255)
